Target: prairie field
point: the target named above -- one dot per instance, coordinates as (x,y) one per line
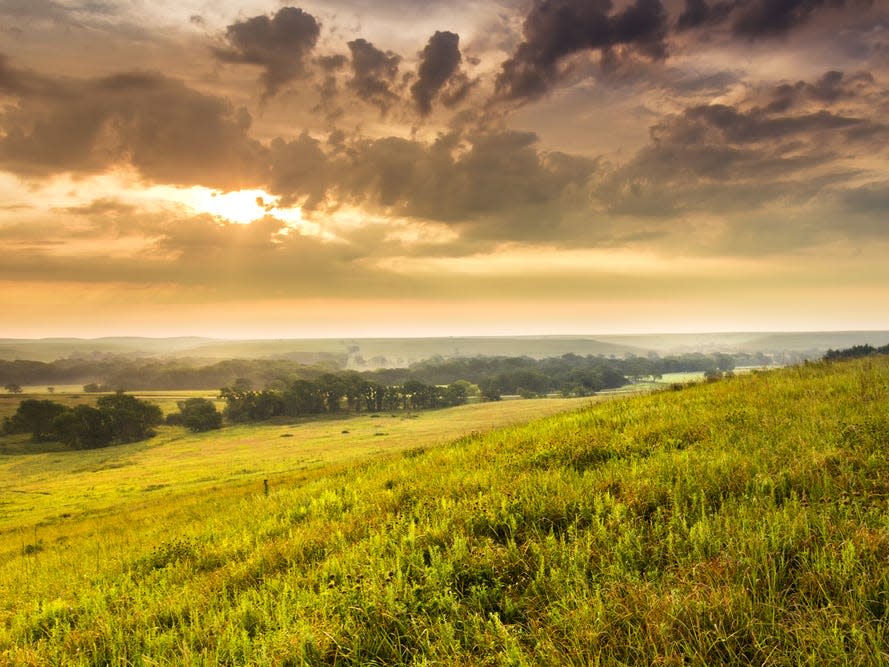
(41,482)
(740,522)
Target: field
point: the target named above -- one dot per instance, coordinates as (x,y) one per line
(54,482)
(737,522)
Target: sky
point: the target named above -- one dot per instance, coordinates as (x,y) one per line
(353,168)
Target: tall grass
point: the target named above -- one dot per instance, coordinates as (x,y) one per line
(738,522)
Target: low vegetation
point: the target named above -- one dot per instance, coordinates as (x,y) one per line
(742,521)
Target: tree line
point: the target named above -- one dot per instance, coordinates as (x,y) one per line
(335,393)
(855,352)
(569,372)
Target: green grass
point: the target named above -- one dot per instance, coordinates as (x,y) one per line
(738,522)
(41,482)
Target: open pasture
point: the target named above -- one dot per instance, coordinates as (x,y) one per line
(42,481)
(738,522)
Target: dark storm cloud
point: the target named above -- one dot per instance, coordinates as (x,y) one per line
(555,29)
(477,178)
(723,159)
(726,125)
(373,74)
(763,18)
(439,63)
(832,87)
(698,13)
(328,87)
(167,131)
(300,170)
(758,18)
(280,45)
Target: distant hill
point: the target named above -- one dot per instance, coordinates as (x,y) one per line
(357,351)
(362,353)
(814,342)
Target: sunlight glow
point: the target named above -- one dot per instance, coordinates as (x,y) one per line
(242,206)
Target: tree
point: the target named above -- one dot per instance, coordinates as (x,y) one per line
(469,389)
(414,395)
(454,394)
(51,390)
(333,389)
(724,362)
(130,418)
(84,427)
(303,398)
(374,395)
(36,417)
(242,385)
(490,388)
(199,414)
(13,388)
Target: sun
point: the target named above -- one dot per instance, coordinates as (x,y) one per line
(240,206)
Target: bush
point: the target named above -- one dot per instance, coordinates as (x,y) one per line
(198,414)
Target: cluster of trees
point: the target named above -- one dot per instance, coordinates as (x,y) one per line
(855,351)
(333,393)
(568,372)
(116,418)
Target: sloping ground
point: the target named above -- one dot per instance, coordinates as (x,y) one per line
(740,522)
(41,482)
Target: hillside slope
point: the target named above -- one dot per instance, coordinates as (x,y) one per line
(740,522)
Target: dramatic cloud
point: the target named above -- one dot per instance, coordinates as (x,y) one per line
(168,132)
(832,87)
(481,179)
(699,13)
(439,65)
(758,18)
(373,74)
(280,45)
(622,152)
(785,166)
(556,29)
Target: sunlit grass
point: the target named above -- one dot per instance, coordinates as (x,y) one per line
(737,522)
(54,480)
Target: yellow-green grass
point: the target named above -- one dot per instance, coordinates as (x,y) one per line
(55,481)
(738,522)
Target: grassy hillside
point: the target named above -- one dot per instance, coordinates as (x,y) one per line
(40,482)
(740,522)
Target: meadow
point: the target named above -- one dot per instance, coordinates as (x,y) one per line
(741,522)
(42,482)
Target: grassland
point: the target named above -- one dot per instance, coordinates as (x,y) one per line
(737,522)
(42,482)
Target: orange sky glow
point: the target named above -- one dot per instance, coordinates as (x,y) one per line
(357,168)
